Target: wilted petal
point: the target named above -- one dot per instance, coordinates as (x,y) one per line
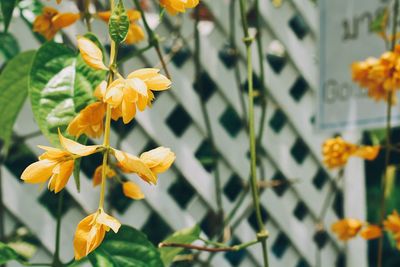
(91,54)
(39,171)
(133,164)
(132,190)
(158,159)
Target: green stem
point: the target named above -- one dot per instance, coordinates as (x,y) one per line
(56,258)
(220,248)
(262,234)
(153,39)
(88,16)
(388,140)
(198,82)
(262,77)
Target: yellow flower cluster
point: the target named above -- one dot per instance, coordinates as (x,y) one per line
(120,98)
(51,21)
(380,76)
(178,6)
(348,228)
(336,152)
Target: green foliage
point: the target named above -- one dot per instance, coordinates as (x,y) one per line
(377,136)
(13,92)
(119,23)
(8,254)
(7,8)
(128,248)
(184,236)
(60,85)
(8,46)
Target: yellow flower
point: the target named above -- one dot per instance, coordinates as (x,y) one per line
(178,6)
(90,232)
(346,228)
(135,32)
(371,232)
(380,76)
(90,121)
(56,164)
(91,53)
(99,172)
(392,225)
(51,21)
(159,159)
(124,95)
(336,152)
(132,190)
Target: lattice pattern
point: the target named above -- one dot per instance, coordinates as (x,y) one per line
(185,194)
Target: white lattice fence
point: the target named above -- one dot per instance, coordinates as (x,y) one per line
(185,195)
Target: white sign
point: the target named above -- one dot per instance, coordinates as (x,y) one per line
(346,36)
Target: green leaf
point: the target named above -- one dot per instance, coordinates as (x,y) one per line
(118,25)
(60,86)
(380,21)
(8,254)
(377,136)
(184,236)
(128,248)
(390,176)
(13,92)
(8,46)
(7,8)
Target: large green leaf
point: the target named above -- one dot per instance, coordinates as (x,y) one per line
(7,8)
(13,92)
(8,46)
(60,85)
(118,25)
(127,248)
(8,254)
(184,236)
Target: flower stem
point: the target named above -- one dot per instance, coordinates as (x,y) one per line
(206,116)
(88,16)
(153,39)
(262,234)
(56,258)
(212,249)
(388,140)
(107,127)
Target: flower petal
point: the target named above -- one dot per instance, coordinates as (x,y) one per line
(132,164)
(76,148)
(86,240)
(371,232)
(144,74)
(66,169)
(63,20)
(38,172)
(158,159)
(91,54)
(132,190)
(109,221)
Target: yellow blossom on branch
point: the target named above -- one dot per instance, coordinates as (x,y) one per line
(336,152)
(178,6)
(135,32)
(98,172)
(392,225)
(346,228)
(90,121)
(132,190)
(56,164)
(90,232)
(371,232)
(51,21)
(91,53)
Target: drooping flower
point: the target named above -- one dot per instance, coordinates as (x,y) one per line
(336,152)
(346,228)
(97,176)
(89,121)
(91,231)
(178,6)
(91,53)
(392,225)
(147,166)
(371,232)
(135,32)
(132,190)
(124,95)
(51,21)
(56,164)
